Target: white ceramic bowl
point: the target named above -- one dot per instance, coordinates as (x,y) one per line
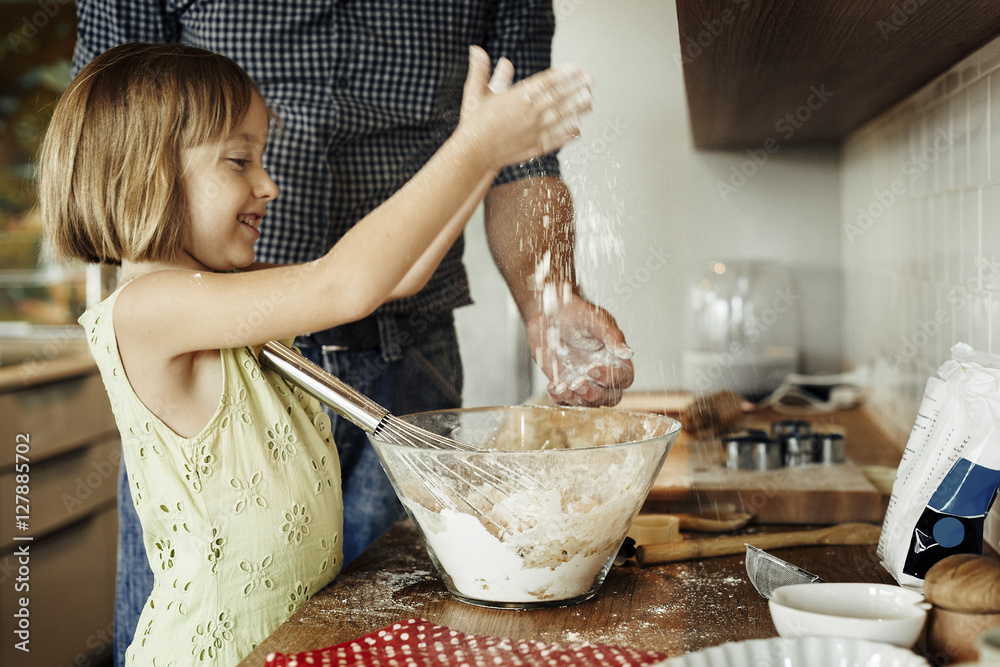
(877,612)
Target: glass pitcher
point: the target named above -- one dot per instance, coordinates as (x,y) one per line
(742,328)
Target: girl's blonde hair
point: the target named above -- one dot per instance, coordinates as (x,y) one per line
(110,166)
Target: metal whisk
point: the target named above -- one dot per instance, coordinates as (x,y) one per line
(381,425)
(350,403)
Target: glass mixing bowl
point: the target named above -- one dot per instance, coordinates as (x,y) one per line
(537,517)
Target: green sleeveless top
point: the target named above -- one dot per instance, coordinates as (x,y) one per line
(241,523)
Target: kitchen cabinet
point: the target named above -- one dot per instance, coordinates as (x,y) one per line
(58,528)
(762,74)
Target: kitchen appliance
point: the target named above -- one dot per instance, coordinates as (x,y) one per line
(742,328)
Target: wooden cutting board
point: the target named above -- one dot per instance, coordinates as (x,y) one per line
(694,477)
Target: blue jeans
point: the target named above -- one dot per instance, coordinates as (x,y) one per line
(134,579)
(405,374)
(413,376)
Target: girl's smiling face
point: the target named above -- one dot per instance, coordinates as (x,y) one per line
(227,190)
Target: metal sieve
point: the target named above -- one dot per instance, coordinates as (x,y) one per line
(768,572)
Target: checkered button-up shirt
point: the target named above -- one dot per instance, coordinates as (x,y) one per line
(367,90)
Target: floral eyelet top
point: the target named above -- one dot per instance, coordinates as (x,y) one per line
(241,523)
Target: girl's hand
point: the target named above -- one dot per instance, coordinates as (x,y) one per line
(512,124)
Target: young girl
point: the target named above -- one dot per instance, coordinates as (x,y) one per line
(153,161)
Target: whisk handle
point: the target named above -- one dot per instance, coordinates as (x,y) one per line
(347,402)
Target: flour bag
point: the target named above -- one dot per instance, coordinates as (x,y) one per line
(950,471)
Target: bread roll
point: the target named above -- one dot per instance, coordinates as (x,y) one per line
(964,582)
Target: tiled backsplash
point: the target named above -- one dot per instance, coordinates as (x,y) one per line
(921,234)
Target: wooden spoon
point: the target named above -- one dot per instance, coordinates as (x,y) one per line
(843,533)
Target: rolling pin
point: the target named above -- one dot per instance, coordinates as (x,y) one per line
(714,522)
(663,528)
(843,533)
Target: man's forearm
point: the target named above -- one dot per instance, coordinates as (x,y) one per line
(531,234)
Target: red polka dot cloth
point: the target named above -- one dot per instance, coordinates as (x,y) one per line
(416,642)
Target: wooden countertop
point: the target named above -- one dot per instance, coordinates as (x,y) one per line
(43,370)
(674,608)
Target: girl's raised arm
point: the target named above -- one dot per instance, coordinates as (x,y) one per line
(391,252)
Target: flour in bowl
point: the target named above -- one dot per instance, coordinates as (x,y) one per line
(537,514)
(543,543)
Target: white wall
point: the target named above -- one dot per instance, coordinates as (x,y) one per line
(642,191)
(921,233)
